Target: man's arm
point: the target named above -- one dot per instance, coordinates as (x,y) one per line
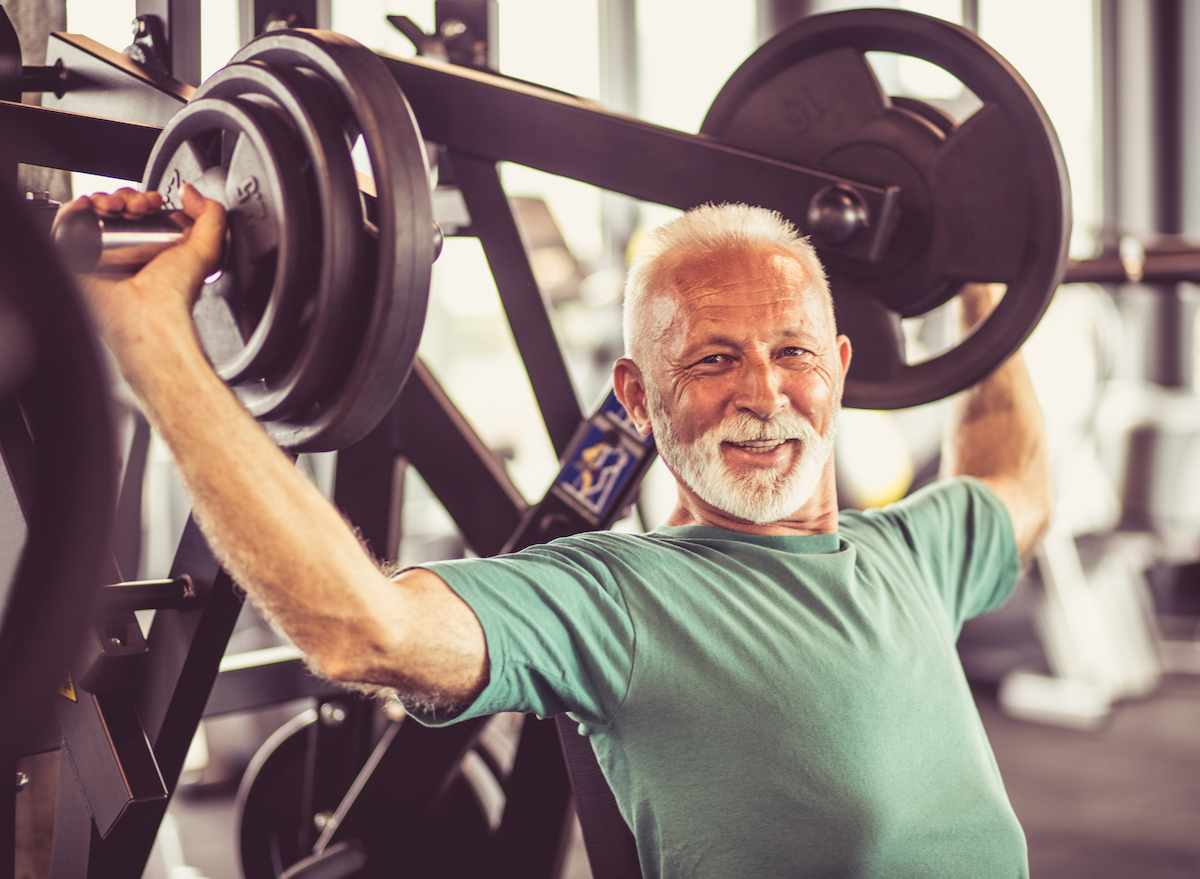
(997,433)
(278,537)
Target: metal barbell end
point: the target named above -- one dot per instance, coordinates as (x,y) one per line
(836,214)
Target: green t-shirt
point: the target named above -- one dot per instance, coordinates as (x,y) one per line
(771,706)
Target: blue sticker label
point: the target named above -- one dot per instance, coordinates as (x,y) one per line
(600,466)
(612,409)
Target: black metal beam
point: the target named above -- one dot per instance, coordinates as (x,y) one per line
(532,838)
(459,469)
(503,120)
(104,82)
(75,142)
(366,485)
(528,317)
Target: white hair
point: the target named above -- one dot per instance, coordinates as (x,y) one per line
(701,231)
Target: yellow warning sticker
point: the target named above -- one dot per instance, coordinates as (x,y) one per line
(67,688)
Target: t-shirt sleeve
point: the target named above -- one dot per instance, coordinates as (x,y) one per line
(961,539)
(559,636)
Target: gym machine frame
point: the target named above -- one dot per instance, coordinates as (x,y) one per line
(479,120)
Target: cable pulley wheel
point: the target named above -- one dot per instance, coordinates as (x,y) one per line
(315,316)
(985,199)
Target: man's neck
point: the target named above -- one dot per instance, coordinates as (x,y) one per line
(819,515)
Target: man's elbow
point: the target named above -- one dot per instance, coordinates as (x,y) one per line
(1032,509)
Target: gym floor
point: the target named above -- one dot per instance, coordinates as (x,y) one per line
(1119,802)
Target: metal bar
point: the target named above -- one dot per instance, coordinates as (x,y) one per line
(459,469)
(1152,268)
(178,593)
(264,677)
(619,78)
(45,79)
(1108,35)
(340,743)
(365,485)
(497,119)
(417,760)
(1166,70)
(105,82)
(528,318)
(1172,351)
(76,142)
(531,841)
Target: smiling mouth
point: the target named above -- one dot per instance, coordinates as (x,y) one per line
(761,445)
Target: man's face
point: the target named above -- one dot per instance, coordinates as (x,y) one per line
(745,385)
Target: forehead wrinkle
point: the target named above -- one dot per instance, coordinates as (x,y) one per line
(691,288)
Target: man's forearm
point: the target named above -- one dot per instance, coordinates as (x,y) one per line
(291,550)
(269,526)
(997,433)
(278,537)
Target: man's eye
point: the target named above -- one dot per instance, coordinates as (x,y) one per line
(713,358)
(791,352)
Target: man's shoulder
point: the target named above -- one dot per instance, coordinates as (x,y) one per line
(951,506)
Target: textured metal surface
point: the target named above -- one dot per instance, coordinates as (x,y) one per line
(393,288)
(248,319)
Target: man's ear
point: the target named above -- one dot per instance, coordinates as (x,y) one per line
(630,389)
(843,344)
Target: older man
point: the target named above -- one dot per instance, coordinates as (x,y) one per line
(771,689)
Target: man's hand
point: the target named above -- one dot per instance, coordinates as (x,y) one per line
(139,291)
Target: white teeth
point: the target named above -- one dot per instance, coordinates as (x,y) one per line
(760,445)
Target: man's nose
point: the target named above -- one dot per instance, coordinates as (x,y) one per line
(761,391)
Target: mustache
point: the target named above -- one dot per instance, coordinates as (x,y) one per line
(744,428)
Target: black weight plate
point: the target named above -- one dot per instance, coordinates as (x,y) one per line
(986,201)
(241,155)
(400,240)
(269,802)
(451,838)
(307,103)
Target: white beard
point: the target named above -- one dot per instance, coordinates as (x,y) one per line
(758,496)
